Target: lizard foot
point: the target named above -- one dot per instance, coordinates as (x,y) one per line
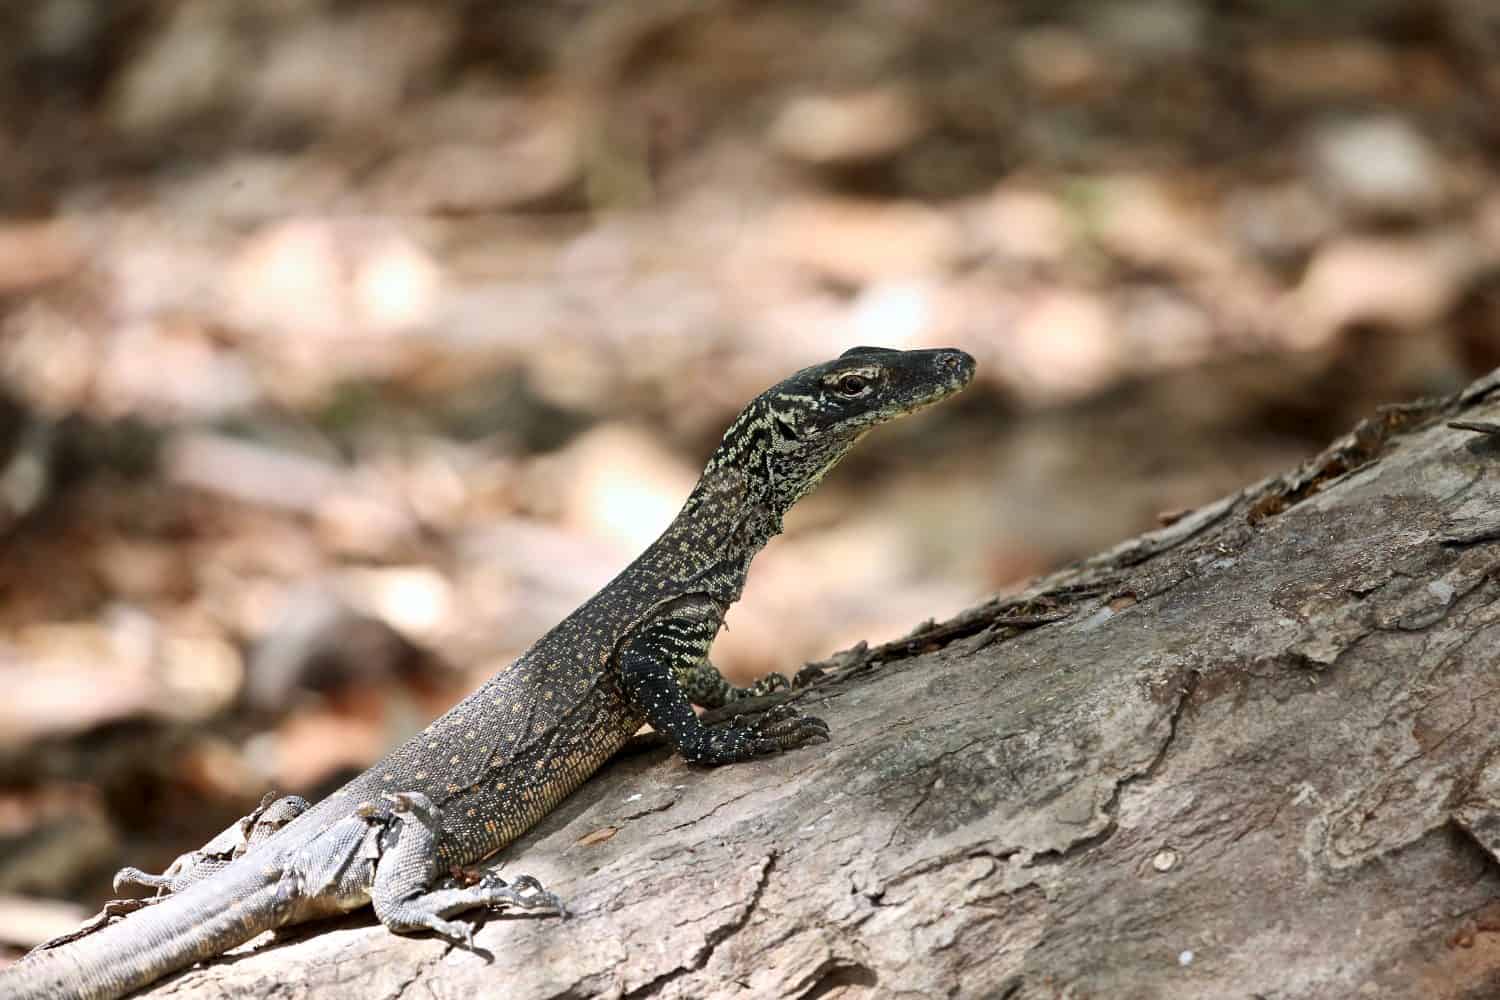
(529,893)
(524,891)
(407,867)
(273,813)
(783,728)
(429,910)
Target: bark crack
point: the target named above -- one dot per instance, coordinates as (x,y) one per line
(713,939)
(718,806)
(927,790)
(1111,808)
(420,969)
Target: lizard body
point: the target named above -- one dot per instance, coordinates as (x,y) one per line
(503,757)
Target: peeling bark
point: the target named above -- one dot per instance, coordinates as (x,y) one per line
(1250,755)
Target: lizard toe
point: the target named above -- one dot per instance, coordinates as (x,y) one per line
(790,734)
(459,932)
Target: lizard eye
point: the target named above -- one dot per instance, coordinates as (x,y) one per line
(853,385)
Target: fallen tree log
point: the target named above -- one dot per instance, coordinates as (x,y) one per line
(1253,754)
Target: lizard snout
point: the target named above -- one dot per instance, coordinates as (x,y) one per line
(956,365)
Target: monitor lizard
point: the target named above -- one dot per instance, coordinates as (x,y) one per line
(500,759)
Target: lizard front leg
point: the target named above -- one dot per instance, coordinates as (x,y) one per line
(649,660)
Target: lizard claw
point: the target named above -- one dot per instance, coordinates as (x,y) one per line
(782,728)
(534,896)
(523,891)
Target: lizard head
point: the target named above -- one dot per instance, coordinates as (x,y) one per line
(866,386)
(793,433)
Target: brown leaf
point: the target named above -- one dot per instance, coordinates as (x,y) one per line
(599,836)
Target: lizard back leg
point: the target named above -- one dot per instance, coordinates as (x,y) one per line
(403,896)
(271,815)
(703,685)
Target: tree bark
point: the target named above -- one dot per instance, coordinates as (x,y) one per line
(1253,754)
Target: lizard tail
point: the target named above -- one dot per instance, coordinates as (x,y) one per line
(197,923)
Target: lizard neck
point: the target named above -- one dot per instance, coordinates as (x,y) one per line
(774,464)
(709,545)
(763,466)
(745,509)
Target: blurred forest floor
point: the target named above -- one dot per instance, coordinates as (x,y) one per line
(345,347)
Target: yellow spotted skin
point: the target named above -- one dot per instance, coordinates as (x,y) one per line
(534,732)
(503,757)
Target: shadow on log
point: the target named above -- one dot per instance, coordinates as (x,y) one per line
(1253,754)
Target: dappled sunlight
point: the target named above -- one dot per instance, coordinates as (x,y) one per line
(396,286)
(346,348)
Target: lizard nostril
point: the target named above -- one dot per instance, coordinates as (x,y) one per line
(955,362)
